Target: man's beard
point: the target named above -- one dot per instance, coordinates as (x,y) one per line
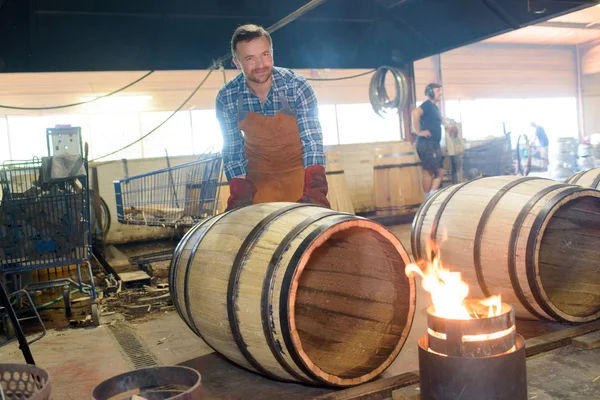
(262,79)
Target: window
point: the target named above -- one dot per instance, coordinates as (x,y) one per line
(4,149)
(27,137)
(206,132)
(175,135)
(483,118)
(110,132)
(358,123)
(329,125)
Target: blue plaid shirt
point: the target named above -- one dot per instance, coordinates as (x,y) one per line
(300,97)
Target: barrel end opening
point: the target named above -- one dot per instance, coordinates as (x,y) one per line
(353,304)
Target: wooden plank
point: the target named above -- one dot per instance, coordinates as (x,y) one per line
(383,389)
(377,390)
(587,342)
(558,339)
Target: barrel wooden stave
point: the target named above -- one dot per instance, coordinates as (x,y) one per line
(508,246)
(338,192)
(210,277)
(397,179)
(223,193)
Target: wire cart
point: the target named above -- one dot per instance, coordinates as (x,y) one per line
(178,196)
(45,223)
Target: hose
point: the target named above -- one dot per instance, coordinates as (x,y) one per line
(380,101)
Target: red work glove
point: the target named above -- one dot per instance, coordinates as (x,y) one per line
(242,193)
(315,186)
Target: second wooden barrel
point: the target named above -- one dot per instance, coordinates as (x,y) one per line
(338,193)
(589,178)
(397,185)
(296,292)
(532,240)
(222,194)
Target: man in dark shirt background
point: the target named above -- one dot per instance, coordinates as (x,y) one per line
(543,142)
(427,123)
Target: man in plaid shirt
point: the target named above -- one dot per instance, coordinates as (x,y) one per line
(279,157)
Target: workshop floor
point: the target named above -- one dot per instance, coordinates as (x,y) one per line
(79,359)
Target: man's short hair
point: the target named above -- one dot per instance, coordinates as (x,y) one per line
(247,33)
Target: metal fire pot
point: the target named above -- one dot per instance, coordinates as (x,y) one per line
(472,359)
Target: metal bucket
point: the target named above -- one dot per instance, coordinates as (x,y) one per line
(154,383)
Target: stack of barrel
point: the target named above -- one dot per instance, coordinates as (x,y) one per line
(564,159)
(397,186)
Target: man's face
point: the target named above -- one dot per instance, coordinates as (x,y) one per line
(255,59)
(437,94)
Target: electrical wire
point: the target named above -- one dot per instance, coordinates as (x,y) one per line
(343,77)
(81,102)
(210,71)
(378,95)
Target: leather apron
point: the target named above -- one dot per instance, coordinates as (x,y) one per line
(274,153)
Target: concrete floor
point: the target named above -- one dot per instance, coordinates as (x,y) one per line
(79,359)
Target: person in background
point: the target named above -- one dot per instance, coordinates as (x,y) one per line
(542,140)
(427,124)
(279,157)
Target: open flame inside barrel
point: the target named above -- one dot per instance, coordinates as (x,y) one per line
(479,358)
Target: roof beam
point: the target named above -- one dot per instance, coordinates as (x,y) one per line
(390,16)
(570,25)
(501,13)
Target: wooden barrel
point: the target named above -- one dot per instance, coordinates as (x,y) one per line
(397,185)
(532,240)
(338,193)
(588,178)
(296,292)
(222,194)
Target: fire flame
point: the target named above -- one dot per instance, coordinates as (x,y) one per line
(448,290)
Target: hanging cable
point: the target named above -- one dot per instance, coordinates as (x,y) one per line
(81,102)
(162,123)
(380,101)
(343,77)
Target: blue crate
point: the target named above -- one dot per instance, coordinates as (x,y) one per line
(43,223)
(176,196)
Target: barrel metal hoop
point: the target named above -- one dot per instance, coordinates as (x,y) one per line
(186,294)
(287,286)
(532,243)
(173,270)
(415,242)
(396,166)
(266,307)
(440,211)
(481,227)
(334,173)
(232,286)
(512,249)
(596,182)
(575,178)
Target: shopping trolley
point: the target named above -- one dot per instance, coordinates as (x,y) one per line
(45,223)
(178,196)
